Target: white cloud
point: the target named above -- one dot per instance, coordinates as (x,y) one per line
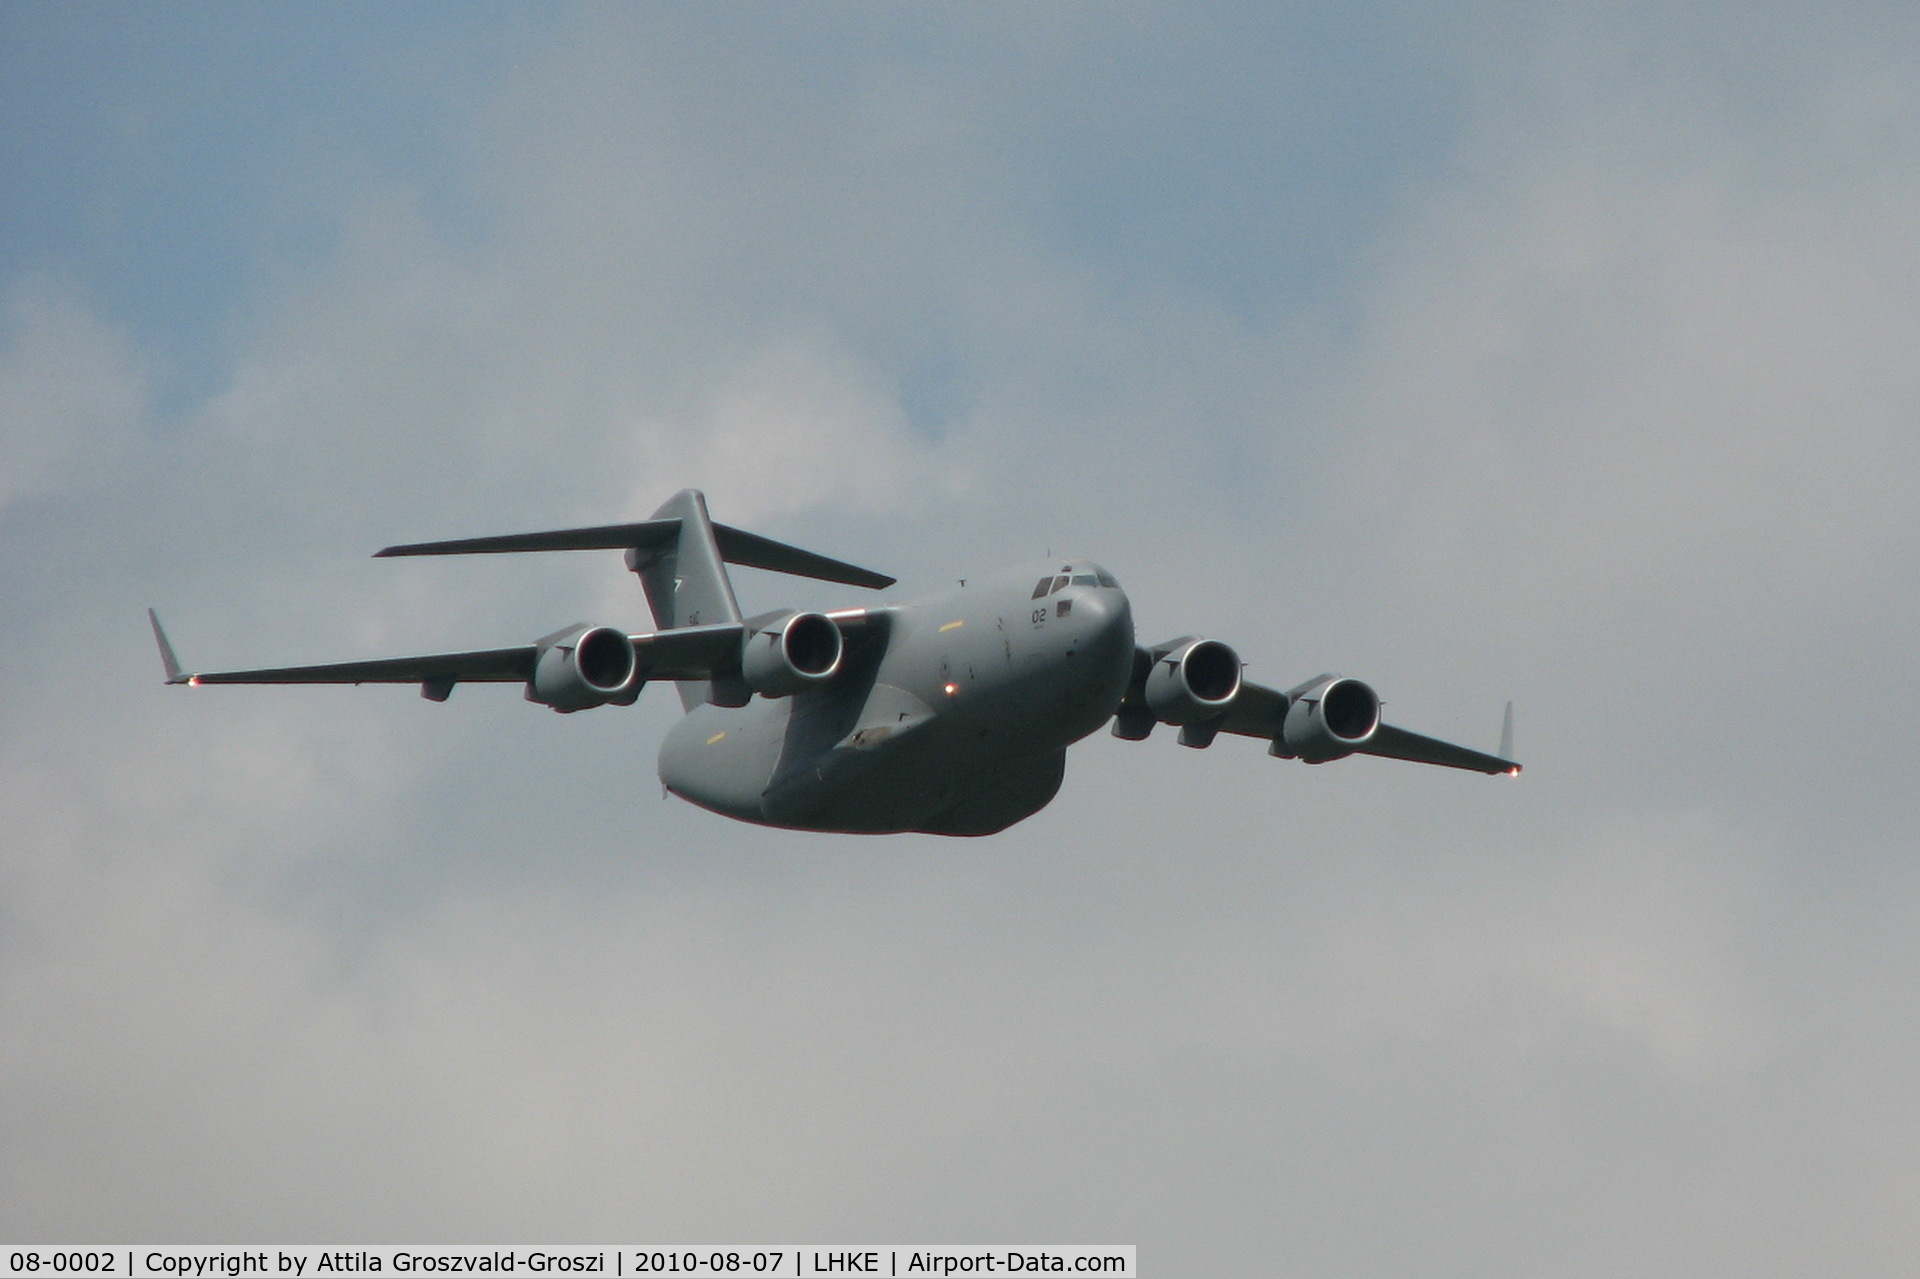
(1606,387)
(70,389)
(793,429)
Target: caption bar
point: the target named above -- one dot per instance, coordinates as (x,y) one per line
(623,1262)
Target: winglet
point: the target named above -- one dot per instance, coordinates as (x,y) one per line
(1506,734)
(174,674)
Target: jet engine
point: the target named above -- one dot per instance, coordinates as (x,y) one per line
(1196,681)
(791,653)
(1329,719)
(584,667)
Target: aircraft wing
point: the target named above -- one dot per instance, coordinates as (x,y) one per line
(855,623)
(1259,711)
(493,665)
(690,652)
(1398,743)
(1262,712)
(498,665)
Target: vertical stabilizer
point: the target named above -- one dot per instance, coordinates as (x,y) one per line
(686,579)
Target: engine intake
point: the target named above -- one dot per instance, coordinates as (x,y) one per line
(1330,719)
(790,654)
(1194,682)
(585,667)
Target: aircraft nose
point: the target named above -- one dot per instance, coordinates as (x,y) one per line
(1105,616)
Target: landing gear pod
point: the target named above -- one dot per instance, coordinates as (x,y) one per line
(1330,720)
(1196,681)
(584,667)
(790,654)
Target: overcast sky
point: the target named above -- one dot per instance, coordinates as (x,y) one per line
(1561,353)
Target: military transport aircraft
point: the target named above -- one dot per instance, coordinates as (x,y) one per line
(950,715)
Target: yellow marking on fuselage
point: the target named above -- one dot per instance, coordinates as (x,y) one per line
(716,737)
(953,626)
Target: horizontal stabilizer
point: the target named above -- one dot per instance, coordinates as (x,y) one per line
(737,546)
(647,534)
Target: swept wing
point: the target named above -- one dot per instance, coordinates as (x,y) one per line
(690,652)
(1296,721)
(1398,743)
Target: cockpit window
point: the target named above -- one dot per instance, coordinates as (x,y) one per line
(1082,579)
(1058,582)
(1041,589)
(1106,579)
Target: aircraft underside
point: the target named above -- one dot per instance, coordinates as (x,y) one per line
(879,760)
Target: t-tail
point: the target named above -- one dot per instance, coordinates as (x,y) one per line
(681,558)
(685,577)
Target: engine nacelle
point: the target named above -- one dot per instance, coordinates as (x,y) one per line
(585,667)
(1330,719)
(791,654)
(1197,681)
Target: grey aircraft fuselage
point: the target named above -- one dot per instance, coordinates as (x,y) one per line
(951,715)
